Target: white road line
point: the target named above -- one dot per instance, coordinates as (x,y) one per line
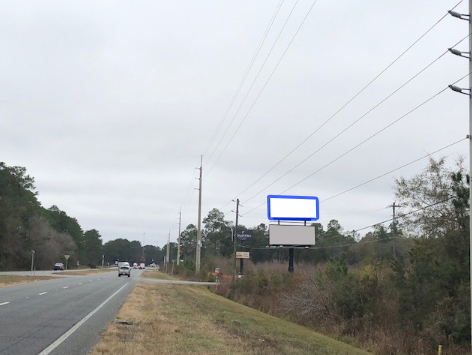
(66,287)
(4,303)
(42,293)
(80,283)
(75,327)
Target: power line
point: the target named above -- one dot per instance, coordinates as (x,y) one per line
(361,143)
(253,82)
(352,99)
(345,129)
(406,214)
(248,69)
(391,171)
(188,188)
(356,121)
(267,81)
(378,132)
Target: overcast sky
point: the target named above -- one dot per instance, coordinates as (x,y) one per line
(109,105)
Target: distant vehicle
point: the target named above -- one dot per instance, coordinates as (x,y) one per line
(153,266)
(124,270)
(142,266)
(135,266)
(58,266)
(122,263)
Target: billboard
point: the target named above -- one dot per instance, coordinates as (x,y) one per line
(292,208)
(291,235)
(245,234)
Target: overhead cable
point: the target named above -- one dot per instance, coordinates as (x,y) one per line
(243,80)
(350,100)
(260,92)
(356,121)
(391,171)
(406,214)
(253,82)
(361,143)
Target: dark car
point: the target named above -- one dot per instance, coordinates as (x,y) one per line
(58,266)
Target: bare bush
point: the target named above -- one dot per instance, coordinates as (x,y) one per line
(49,245)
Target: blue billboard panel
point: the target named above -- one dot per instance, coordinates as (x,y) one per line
(293,208)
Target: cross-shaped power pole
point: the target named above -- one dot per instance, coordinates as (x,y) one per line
(394,229)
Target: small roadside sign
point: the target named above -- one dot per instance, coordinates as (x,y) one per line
(242,255)
(66,256)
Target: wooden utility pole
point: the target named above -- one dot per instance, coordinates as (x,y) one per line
(168,251)
(199,230)
(235,238)
(178,239)
(394,230)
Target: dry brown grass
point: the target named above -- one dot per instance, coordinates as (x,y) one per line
(154,274)
(176,319)
(10,280)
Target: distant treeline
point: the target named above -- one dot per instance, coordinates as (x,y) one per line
(26,226)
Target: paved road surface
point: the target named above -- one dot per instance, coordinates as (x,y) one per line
(35,318)
(46,272)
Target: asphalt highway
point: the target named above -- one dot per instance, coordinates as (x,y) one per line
(61,316)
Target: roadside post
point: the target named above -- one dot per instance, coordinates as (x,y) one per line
(241,255)
(243,236)
(32,262)
(293,209)
(67,258)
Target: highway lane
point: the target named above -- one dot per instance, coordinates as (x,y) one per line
(34,316)
(46,272)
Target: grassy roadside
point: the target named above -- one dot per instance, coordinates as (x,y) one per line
(154,274)
(10,280)
(176,319)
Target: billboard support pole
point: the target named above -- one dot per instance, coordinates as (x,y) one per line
(241,267)
(290,259)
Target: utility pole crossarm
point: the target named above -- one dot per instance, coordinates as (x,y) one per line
(394,229)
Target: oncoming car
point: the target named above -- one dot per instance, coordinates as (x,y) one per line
(58,266)
(124,270)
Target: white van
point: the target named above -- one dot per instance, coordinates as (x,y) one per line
(124,270)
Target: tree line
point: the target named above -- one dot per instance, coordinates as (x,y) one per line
(26,226)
